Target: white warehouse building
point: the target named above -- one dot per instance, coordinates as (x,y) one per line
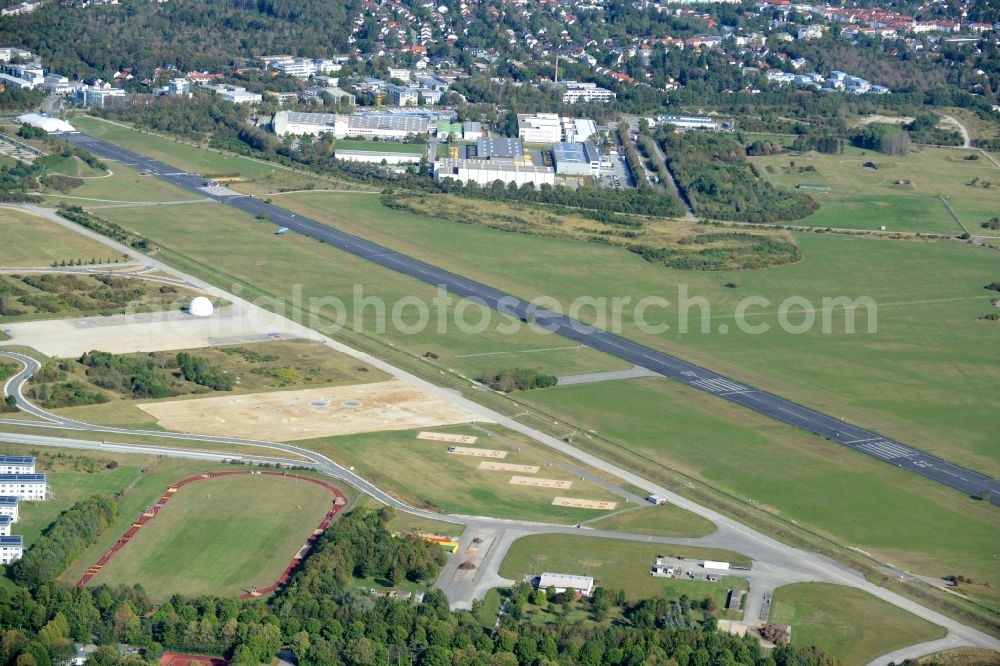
(17,465)
(9,507)
(562,582)
(486,172)
(26,487)
(11,548)
(550,128)
(314,124)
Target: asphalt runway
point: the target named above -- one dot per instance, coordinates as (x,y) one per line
(865,441)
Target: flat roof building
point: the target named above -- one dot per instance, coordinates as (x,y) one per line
(471,130)
(576,159)
(378,156)
(5,523)
(486,172)
(9,507)
(11,548)
(17,465)
(313,124)
(386,125)
(539,127)
(498,147)
(689,122)
(27,487)
(577,91)
(562,582)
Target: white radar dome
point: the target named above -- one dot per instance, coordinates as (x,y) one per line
(200,307)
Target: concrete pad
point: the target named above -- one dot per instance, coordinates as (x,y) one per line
(481,453)
(583,503)
(283,416)
(448,437)
(146,332)
(540,483)
(509,467)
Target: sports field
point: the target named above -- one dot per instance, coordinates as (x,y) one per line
(853,499)
(220,537)
(847,623)
(424,474)
(34,241)
(866,198)
(235,248)
(617,565)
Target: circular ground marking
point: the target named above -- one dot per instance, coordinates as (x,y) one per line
(318,403)
(351,403)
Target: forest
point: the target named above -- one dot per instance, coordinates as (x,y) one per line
(721,184)
(326,620)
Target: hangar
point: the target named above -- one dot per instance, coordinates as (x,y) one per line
(46,122)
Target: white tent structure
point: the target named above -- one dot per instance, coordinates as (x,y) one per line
(46,122)
(200,307)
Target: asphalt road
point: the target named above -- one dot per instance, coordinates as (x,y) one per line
(864,441)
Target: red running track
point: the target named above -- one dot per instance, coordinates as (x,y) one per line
(339,503)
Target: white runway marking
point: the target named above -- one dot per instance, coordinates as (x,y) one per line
(887,450)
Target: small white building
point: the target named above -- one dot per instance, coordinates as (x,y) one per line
(472,130)
(690,122)
(539,128)
(28,487)
(712,564)
(9,507)
(11,548)
(17,465)
(5,523)
(562,582)
(235,94)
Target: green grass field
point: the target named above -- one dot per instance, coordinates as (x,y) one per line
(122,185)
(864,198)
(235,248)
(663,520)
(34,241)
(387,146)
(921,377)
(616,565)
(174,153)
(424,474)
(849,497)
(74,166)
(229,533)
(846,623)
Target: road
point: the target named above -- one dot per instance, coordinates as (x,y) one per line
(775,563)
(865,441)
(966,139)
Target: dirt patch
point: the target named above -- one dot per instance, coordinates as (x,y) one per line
(540,483)
(289,415)
(480,453)
(447,437)
(508,467)
(888,120)
(577,503)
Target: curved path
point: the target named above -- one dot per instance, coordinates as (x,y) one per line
(862,440)
(775,563)
(339,503)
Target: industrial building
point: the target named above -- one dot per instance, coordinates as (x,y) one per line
(577,91)
(11,548)
(539,128)
(97,96)
(584,585)
(5,523)
(378,156)
(9,507)
(235,94)
(471,130)
(550,128)
(386,126)
(314,124)
(689,122)
(576,158)
(486,172)
(17,465)
(24,486)
(499,148)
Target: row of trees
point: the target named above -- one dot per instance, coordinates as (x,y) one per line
(517,379)
(200,371)
(724,251)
